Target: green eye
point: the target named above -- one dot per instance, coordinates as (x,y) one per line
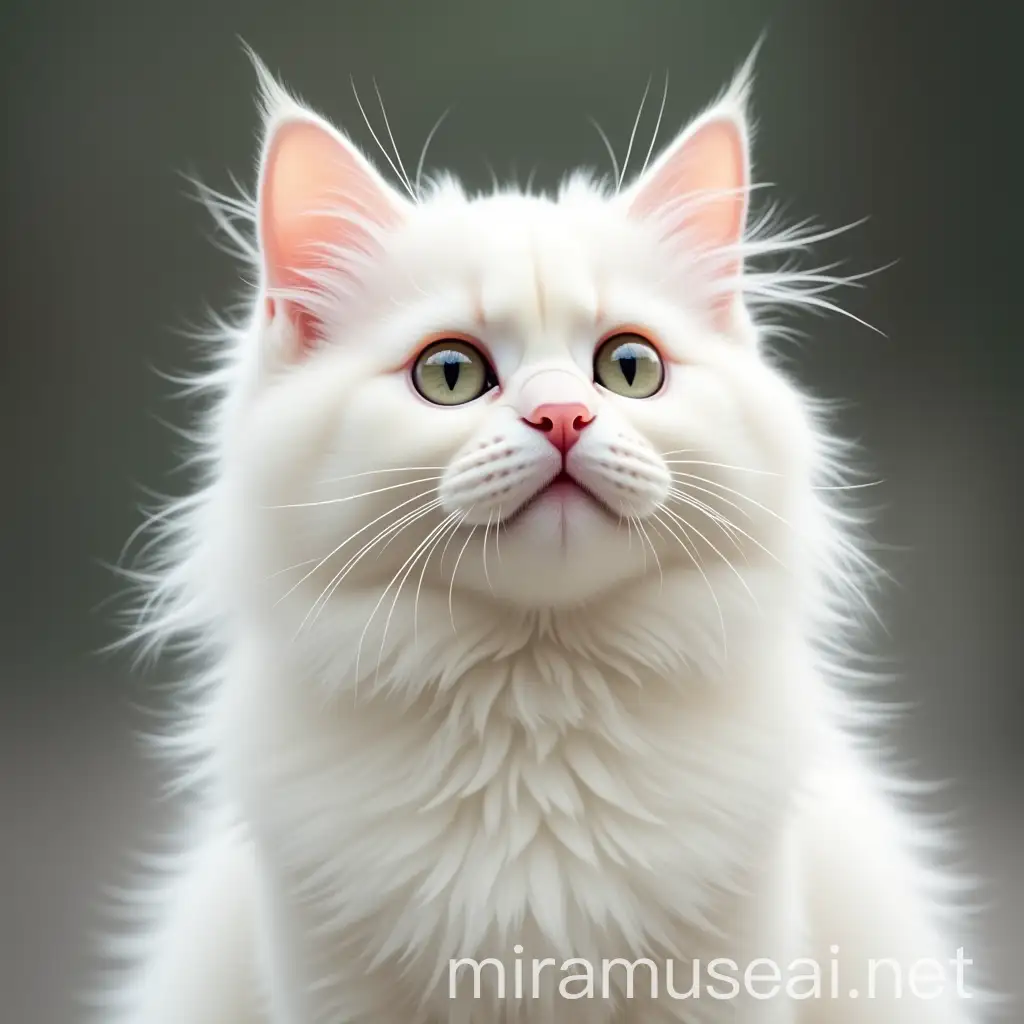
(452,372)
(629,365)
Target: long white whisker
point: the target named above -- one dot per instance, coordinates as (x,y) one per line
(728,528)
(426,146)
(497,534)
(654,552)
(388,469)
(629,528)
(390,530)
(451,585)
(632,136)
(387,534)
(727,562)
(728,490)
(394,146)
(444,550)
(611,152)
(848,487)
(454,521)
(354,497)
(387,156)
(657,127)
(634,522)
(717,465)
(425,548)
(487,530)
(292,568)
(350,537)
(407,564)
(686,487)
(388,542)
(659,533)
(694,556)
(760,472)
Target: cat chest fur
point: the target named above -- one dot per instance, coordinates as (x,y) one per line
(546,800)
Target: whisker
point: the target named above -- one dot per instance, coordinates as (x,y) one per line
(659,533)
(704,490)
(632,136)
(634,522)
(388,531)
(728,528)
(328,592)
(847,487)
(291,568)
(629,526)
(728,563)
(426,546)
(694,557)
(350,537)
(654,552)
(657,127)
(497,534)
(487,530)
(730,490)
(451,585)
(610,150)
(394,146)
(387,156)
(426,146)
(391,538)
(454,521)
(760,472)
(388,469)
(354,497)
(410,562)
(716,517)
(718,465)
(444,550)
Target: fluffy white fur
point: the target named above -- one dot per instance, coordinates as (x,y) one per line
(428,728)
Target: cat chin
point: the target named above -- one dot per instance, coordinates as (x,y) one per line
(561,552)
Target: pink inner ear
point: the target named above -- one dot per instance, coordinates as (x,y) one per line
(701,186)
(306,171)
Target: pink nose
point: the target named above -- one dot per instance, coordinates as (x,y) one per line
(563,422)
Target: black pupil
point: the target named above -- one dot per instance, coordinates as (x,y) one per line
(627,364)
(451,373)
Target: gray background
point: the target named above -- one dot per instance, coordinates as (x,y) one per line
(903,111)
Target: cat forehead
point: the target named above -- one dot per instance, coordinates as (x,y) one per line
(523,256)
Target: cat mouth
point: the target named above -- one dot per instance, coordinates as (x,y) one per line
(562,488)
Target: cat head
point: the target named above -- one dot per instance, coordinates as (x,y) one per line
(523,398)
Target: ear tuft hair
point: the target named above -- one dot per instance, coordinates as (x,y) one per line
(276,103)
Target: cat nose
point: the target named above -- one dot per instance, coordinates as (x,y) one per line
(562,422)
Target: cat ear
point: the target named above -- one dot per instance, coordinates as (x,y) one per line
(320,207)
(697,191)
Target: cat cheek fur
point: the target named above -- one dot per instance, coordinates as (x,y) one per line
(425,728)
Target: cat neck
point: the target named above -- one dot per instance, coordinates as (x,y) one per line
(682,630)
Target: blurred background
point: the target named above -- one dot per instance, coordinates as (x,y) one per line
(892,109)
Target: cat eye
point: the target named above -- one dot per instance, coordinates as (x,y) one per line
(452,372)
(629,365)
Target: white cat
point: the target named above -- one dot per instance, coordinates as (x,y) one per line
(524,602)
